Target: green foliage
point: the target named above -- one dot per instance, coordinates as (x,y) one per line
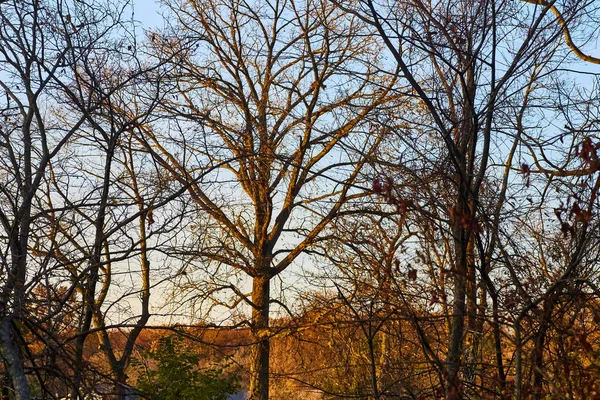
(177,376)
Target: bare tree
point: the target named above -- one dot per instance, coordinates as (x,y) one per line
(62,65)
(42,44)
(275,94)
(472,67)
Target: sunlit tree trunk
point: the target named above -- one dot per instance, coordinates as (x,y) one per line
(259,367)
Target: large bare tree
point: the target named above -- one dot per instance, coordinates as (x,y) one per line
(279,95)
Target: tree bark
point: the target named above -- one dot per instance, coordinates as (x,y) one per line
(458,321)
(13,361)
(6,385)
(462,238)
(538,353)
(259,368)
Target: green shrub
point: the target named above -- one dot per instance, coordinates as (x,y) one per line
(177,375)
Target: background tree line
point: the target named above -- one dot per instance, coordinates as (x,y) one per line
(404,192)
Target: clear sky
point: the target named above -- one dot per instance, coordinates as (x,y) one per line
(147,13)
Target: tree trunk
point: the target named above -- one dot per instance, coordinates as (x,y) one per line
(6,385)
(461,266)
(538,354)
(373,362)
(384,361)
(122,389)
(13,361)
(472,320)
(259,368)
(456,335)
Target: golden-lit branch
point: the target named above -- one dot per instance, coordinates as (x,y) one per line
(565,30)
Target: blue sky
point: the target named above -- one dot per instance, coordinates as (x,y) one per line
(147,13)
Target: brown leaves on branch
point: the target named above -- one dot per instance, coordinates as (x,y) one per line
(433,297)
(570,214)
(460,218)
(412,274)
(150,216)
(580,215)
(384,186)
(589,154)
(565,227)
(575,213)
(526,171)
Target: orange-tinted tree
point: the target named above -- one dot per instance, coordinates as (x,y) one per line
(274,94)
